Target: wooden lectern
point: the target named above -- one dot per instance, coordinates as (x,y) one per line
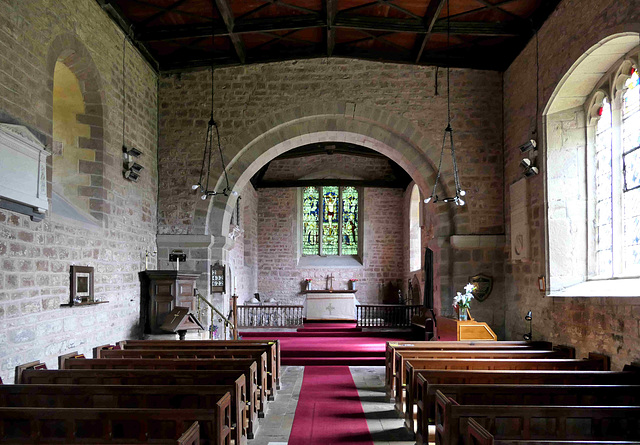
(457,330)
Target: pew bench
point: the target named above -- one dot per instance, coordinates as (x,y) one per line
(393,346)
(513,394)
(479,364)
(261,357)
(248,366)
(104,426)
(271,347)
(537,421)
(236,380)
(217,398)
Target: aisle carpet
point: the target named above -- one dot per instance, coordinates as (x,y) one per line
(328,345)
(329,409)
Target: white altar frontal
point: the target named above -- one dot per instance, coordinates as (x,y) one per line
(330,304)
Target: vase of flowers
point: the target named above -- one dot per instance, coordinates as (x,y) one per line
(462,302)
(307,283)
(352,283)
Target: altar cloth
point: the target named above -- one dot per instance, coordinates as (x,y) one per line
(330,305)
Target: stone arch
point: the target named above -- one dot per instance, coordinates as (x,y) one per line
(68,49)
(371,127)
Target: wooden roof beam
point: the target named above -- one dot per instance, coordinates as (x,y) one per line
(331,7)
(227,15)
(433,12)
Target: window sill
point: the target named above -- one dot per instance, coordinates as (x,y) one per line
(335,262)
(624,287)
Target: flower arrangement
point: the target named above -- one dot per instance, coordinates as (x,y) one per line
(308,280)
(353,280)
(463,301)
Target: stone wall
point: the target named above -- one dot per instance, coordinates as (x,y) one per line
(35,258)
(607,325)
(279,275)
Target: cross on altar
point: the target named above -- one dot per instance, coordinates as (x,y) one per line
(330,280)
(330,309)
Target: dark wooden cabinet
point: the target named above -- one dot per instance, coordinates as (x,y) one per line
(168,289)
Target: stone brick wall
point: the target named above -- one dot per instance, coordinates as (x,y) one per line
(244,95)
(607,325)
(279,275)
(35,258)
(337,166)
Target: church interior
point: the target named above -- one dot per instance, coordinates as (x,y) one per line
(325,176)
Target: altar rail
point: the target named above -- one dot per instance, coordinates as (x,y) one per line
(386,315)
(276,316)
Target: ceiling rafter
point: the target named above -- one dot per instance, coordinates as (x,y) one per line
(161,13)
(227,16)
(433,12)
(166,9)
(381,39)
(331,9)
(480,9)
(392,5)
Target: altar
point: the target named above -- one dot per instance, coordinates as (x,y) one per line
(330,305)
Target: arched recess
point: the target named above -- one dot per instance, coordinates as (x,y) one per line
(569,128)
(85,201)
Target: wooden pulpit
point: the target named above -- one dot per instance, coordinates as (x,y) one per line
(457,330)
(169,289)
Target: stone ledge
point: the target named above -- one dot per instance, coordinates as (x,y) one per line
(185,241)
(477,241)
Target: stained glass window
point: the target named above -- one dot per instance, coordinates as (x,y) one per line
(330,220)
(631,173)
(603,193)
(310,216)
(349,221)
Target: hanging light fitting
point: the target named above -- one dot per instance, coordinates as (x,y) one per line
(208,149)
(448,134)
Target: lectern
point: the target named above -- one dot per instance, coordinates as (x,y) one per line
(169,289)
(457,330)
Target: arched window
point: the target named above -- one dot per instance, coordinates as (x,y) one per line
(414,230)
(330,221)
(631,173)
(592,150)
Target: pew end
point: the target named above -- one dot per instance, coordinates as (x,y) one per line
(30,365)
(477,435)
(62,359)
(605,359)
(191,436)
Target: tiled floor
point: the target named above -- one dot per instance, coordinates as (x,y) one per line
(384,424)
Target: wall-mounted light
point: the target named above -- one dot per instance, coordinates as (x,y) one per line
(531,144)
(528,168)
(131,169)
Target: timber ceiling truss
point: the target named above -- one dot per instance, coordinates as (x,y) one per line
(177,35)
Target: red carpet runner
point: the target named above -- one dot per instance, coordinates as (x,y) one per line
(329,409)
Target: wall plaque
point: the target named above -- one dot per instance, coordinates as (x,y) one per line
(483,284)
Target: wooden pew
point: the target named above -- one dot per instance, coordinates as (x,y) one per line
(100,425)
(249,367)
(234,379)
(272,349)
(478,435)
(215,399)
(513,394)
(393,346)
(593,364)
(263,375)
(517,421)
(400,357)
(426,378)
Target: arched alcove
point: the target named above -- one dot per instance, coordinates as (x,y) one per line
(415,239)
(78,188)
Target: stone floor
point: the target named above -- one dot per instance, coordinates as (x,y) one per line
(384,424)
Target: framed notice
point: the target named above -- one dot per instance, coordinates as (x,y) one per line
(218,278)
(81,285)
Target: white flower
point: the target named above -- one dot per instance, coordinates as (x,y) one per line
(469,288)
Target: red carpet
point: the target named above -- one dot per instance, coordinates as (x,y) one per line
(328,344)
(329,409)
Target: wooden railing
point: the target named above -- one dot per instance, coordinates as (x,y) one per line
(276,316)
(386,315)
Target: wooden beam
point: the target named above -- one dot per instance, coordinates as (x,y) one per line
(331,7)
(429,21)
(160,13)
(227,16)
(332,182)
(116,14)
(257,178)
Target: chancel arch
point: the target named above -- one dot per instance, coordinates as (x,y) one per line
(372,128)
